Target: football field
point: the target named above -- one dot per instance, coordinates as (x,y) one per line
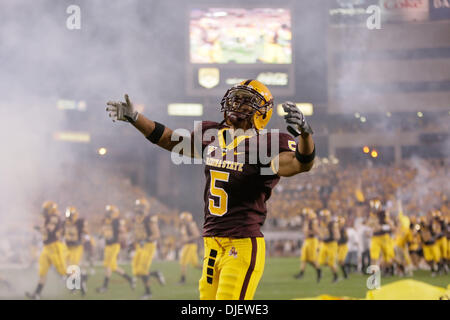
(277,283)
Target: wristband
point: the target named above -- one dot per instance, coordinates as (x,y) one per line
(156,134)
(302,158)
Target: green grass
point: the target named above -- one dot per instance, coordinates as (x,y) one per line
(276,283)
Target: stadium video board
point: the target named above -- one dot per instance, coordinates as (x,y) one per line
(228,45)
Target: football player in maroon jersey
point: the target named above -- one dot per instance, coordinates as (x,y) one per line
(243,162)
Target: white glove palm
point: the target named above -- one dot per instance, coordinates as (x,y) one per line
(123,111)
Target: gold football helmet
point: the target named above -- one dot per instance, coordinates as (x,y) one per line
(325,214)
(112,212)
(436,214)
(142,206)
(309,213)
(254,94)
(186,216)
(71,213)
(423,220)
(49,207)
(375,204)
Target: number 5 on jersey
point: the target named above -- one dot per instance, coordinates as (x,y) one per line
(218,192)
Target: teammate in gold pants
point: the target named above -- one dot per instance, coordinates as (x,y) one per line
(75,229)
(146,233)
(53,252)
(112,226)
(189,235)
(310,246)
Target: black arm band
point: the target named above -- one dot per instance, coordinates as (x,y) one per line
(156,133)
(302,158)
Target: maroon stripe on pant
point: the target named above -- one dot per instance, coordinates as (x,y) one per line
(251,267)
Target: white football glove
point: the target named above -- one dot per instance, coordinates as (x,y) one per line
(296,120)
(123,111)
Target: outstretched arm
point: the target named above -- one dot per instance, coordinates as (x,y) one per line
(147,127)
(302,160)
(155,132)
(289,165)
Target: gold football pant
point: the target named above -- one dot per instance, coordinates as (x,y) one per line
(232,268)
(110,256)
(342,253)
(382,244)
(328,253)
(74,255)
(309,250)
(431,252)
(448,248)
(402,255)
(442,244)
(143,258)
(52,254)
(188,255)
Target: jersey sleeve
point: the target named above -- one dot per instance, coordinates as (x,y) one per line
(276,144)
(116,227)
(287,143)
(201,137)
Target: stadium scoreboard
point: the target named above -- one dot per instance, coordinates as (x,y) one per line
(228,45)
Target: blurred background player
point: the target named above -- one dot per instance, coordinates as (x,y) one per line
(447,235)
(53,252)
(342,246)
(329,234)
(310,245)
(110,231)
(189,237)
(431,252)
(89,252)
(402,234)
(381,242)
(146,233)
(354,250)
(414,243)
(75,229)
(439,228)
(5,284)
(364,235)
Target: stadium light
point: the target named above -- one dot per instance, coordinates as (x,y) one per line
(357,115)
(63,104)
(305,107)
(334,160)
(363,119)
(374,153)
(185,109)
(68,136)
(366,149)
(102,151)
(420,114)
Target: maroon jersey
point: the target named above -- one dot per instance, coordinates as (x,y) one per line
(239,178)
(52,229)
